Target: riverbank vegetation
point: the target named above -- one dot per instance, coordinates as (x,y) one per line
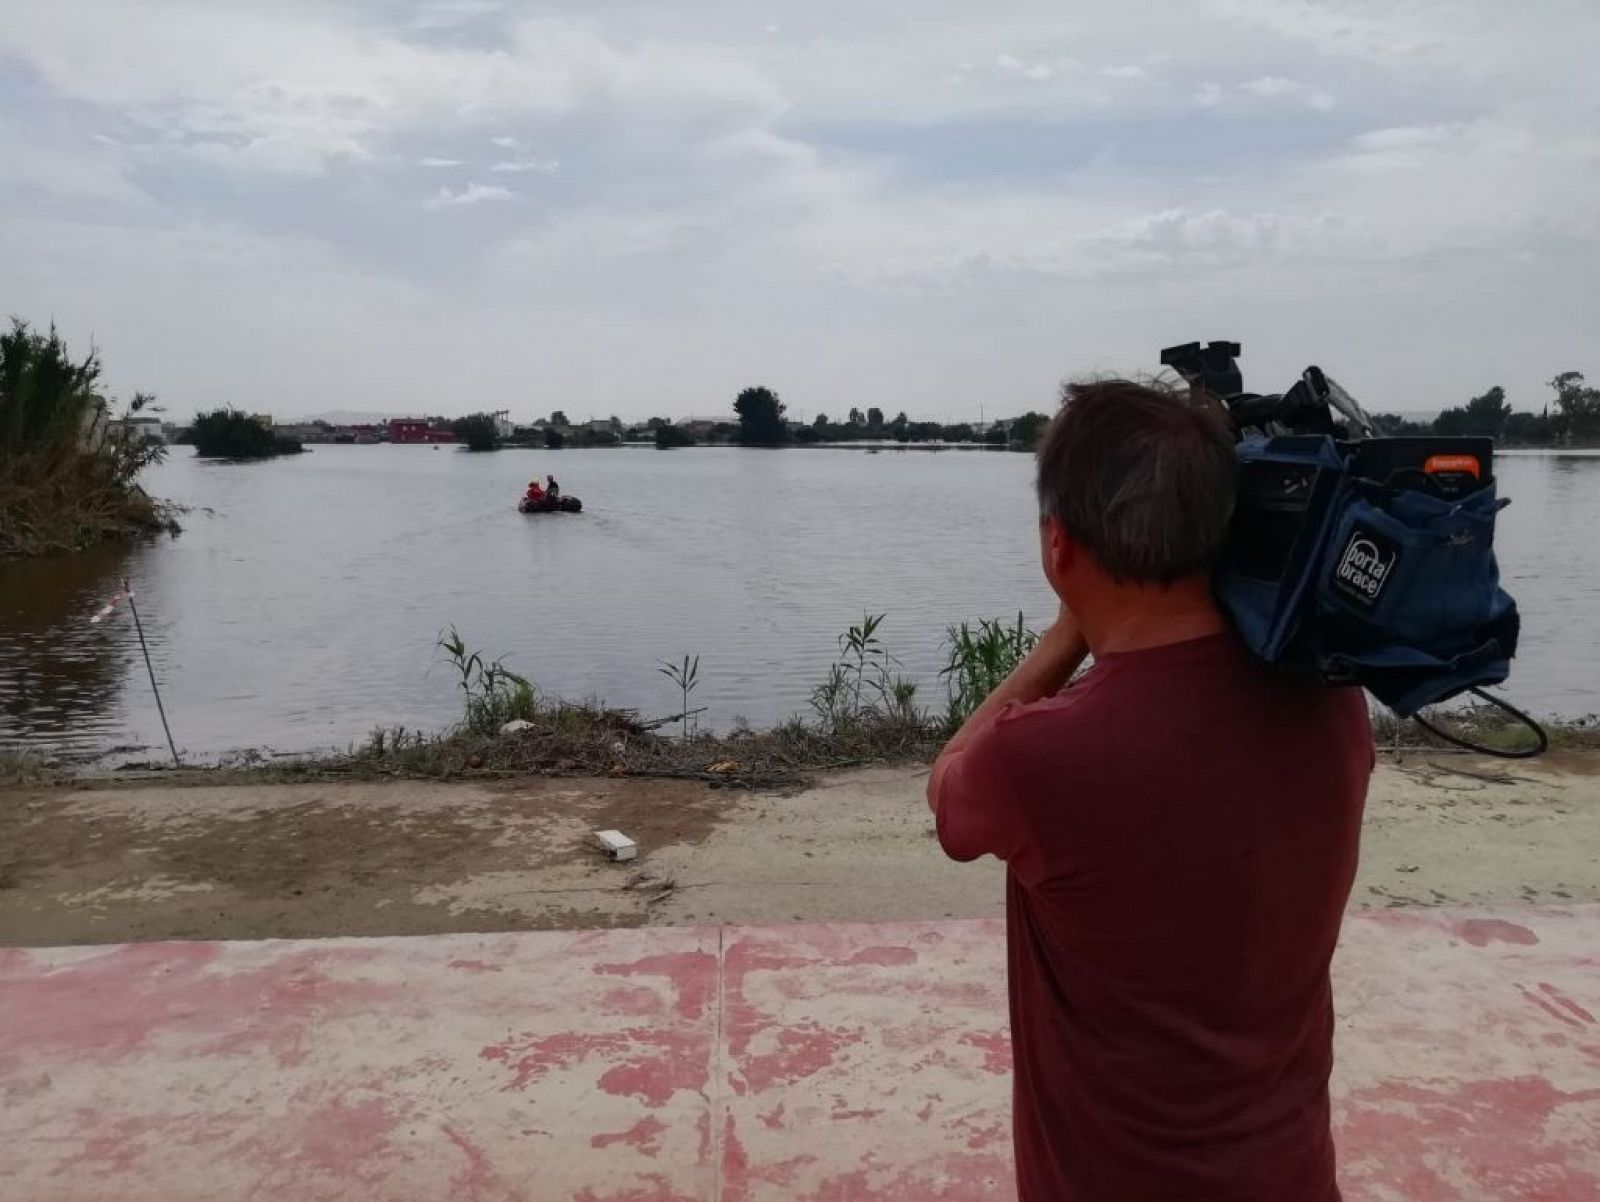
(862,711)
(668,436)
(69,470)
(232,434)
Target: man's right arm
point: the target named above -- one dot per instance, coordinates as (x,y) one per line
(965,788)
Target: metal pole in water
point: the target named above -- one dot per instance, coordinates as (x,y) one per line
(154,688)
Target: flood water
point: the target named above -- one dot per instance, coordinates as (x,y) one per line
(302,603)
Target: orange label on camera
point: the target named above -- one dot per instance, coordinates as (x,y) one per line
(1452,463)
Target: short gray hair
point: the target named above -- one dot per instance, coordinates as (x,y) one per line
(1142,474)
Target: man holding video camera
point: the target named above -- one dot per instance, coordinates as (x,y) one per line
(1180,829)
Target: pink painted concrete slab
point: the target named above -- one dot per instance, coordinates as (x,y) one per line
(469,1068)
(874,1062)
(1469,1056)
(808,1063)
(866,1062)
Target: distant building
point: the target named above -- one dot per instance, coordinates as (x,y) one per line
(419,429)
(363,433)
(304,431)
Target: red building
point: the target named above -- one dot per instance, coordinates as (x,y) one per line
(418,429)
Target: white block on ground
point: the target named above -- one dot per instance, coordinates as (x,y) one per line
(616,845)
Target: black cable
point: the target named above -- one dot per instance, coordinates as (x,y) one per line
(1526,753)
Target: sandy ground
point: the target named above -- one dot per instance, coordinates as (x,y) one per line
(294,861)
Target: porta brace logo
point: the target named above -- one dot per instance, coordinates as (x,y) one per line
(1366,565)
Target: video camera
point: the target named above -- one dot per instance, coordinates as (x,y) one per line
(1355,558)
(1306,408)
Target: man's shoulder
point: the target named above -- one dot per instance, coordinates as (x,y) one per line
(1078,713)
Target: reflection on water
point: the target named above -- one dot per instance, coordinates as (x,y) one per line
(61,675)
(301,604)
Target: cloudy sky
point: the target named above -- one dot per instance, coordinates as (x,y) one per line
(639,206)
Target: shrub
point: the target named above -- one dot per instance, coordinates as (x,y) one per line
(979,660)
(68,472)
(230,434)
(479,431)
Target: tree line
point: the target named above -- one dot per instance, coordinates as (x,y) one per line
(759,421)
(1571,417)
(762,423)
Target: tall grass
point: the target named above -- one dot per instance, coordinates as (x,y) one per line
(862,686)
(686,676)
(979,659)
(68,478)
(22,768)
(492,694)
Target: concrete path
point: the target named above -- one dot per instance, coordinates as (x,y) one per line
(407,857)
(826,1063)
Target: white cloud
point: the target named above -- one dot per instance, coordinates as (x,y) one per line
(1013,65)
(1407,138)
(841,208)
(1271,85)
(294,93)
(472,194)
(591,238)
(513,166)
(43,173)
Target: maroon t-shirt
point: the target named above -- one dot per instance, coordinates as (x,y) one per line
(1181,829)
